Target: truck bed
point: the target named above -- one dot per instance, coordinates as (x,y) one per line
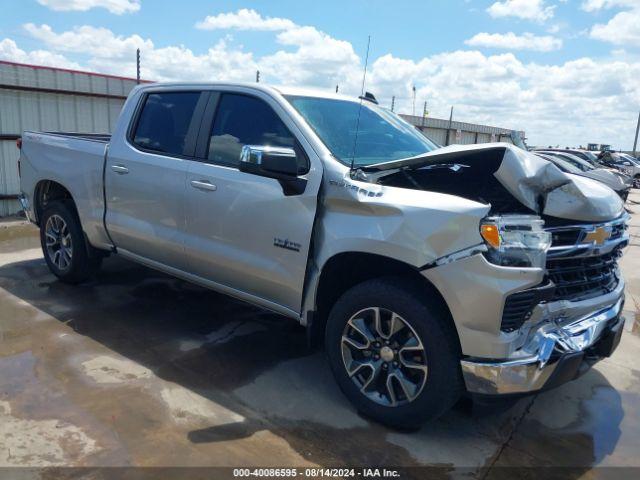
(96,137)
(76,162)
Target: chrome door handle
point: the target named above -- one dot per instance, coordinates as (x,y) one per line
(121,169)
(203,185)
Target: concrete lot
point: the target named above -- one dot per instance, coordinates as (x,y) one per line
(137,368)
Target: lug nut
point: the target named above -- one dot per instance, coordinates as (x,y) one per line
(385,366)
(376,356)
(395,364)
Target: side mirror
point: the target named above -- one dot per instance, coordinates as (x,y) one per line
(272,162)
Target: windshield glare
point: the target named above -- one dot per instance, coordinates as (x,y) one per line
(382,136)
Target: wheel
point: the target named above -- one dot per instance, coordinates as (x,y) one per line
(64,246)
(394,353)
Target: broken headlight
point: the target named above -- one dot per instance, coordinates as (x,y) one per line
(516,240)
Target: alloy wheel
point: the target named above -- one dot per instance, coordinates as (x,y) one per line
(384,356)
(58,242)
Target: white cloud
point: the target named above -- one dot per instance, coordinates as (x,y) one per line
(511,41)
(244,19)
(570,103)
(535,10)
(11,52)
(114,6)
(99,42)
(594,5)
(623,29)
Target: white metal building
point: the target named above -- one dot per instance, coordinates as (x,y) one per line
(51,99)
(440,131)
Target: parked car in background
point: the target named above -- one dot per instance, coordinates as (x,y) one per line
(587,155)
(616,160)
(427,272)
(629,164)
(592,159)
(576,166)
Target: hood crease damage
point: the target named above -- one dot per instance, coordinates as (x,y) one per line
(510,179)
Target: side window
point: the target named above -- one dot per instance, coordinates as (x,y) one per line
(243,120)
(164,121)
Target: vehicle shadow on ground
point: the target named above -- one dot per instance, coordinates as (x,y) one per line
(257,364)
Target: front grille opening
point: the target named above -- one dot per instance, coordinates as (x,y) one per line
(565,238)
(582,278)
(517,309)
(519,306)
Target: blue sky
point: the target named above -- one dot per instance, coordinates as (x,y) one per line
(564,71)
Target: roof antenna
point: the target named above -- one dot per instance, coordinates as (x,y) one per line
(364,78)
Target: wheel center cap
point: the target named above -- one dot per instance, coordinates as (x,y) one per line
(386,354)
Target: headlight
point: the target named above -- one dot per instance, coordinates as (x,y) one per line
(516,240)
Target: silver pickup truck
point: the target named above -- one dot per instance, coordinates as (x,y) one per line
(428,273)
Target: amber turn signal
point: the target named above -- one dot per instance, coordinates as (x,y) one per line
(490,234)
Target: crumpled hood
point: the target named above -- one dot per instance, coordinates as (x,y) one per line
(532,179)
(536,183)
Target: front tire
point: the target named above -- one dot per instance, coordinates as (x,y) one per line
(64,246)
(394,353)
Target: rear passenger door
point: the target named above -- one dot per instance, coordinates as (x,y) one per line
(146,173)
(244,232)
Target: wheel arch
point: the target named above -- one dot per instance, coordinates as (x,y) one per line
(47,191)
(347,269)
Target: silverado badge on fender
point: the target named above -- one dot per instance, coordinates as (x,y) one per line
(279,242)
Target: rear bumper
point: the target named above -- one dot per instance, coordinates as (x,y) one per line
(562,354)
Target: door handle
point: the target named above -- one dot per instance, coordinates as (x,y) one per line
(203,185)
(121,169)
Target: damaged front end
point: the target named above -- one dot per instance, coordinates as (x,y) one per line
(533,316)
(511,180)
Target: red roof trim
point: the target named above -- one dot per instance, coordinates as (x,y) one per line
(68,70)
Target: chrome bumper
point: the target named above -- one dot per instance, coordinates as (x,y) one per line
(561,352)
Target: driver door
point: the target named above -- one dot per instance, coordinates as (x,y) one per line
(244,233)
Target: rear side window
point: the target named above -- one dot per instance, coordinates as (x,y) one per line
(164,121)
(243,120)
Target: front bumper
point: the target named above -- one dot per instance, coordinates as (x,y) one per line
(562,353)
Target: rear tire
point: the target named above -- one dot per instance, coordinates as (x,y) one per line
(434,393)
(66,251)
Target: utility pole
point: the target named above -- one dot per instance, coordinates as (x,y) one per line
(449,127)
(424,113)
(635,143)
(138,66)
(414,100)
(393,102)
(257,76)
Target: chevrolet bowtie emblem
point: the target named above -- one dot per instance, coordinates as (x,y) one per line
(598,236)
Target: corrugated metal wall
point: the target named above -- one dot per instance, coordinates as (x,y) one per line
(48,99)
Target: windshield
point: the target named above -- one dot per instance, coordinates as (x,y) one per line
(382,136)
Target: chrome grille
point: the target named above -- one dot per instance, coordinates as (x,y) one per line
(580,268)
